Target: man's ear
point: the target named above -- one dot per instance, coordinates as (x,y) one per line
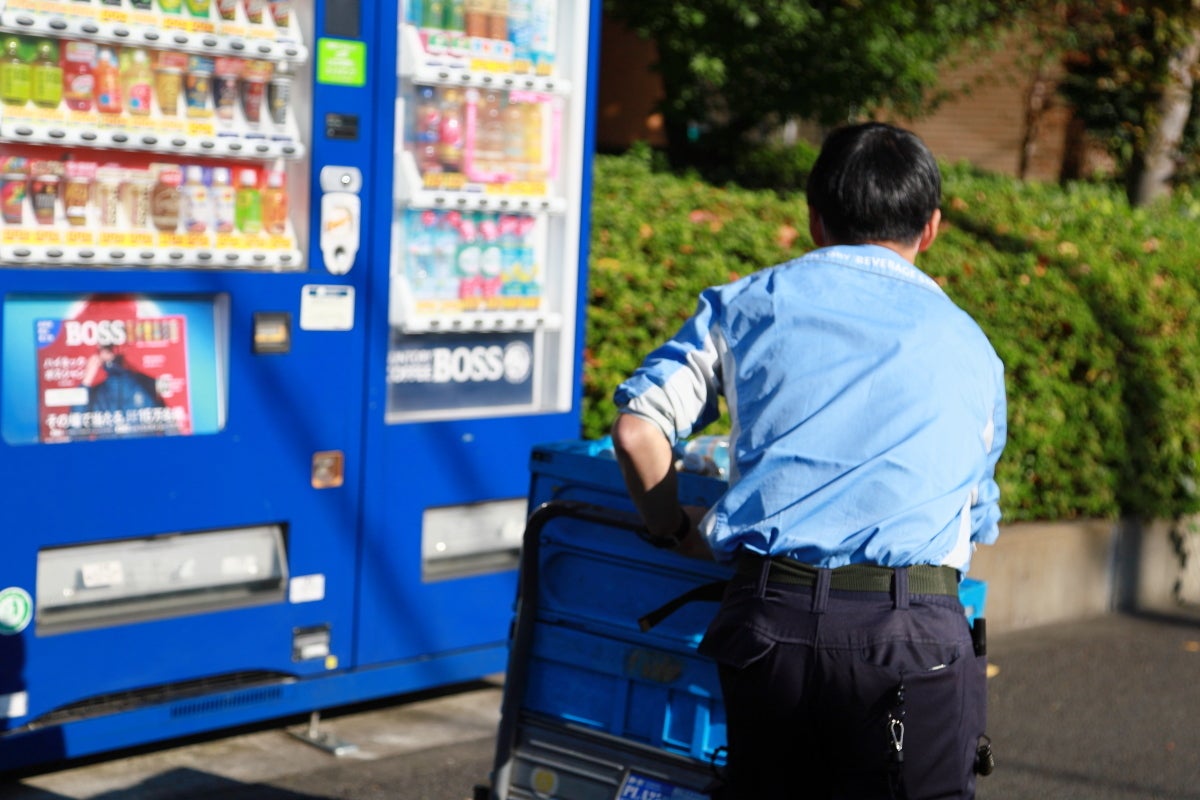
(816,228)
(931,231)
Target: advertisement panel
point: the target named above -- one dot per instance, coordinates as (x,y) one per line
(109,373)
(84,368)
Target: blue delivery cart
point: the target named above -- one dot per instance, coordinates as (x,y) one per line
(605,696)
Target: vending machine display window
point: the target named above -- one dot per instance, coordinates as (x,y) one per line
(91,367)
(485,238)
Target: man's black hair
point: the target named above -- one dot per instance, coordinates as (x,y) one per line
(874,182)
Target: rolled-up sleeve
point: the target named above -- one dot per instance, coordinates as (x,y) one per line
(678,385)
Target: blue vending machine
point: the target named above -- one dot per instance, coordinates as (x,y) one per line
(288,292)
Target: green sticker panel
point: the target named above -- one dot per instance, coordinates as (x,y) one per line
(341,62)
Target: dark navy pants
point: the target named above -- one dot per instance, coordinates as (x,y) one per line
(811,676)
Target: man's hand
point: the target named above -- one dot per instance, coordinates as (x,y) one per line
(694,545)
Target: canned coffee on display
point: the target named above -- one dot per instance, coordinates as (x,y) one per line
(14,186)
(43,189)
(279,94)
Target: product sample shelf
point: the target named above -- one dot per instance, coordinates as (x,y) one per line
(111,89)
(182,144)
(152,34)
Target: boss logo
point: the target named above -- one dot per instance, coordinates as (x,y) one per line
(96,333)
(482,364)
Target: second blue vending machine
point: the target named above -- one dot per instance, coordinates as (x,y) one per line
(288,293)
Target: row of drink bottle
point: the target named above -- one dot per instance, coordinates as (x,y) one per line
(113,80)
(510,133)
(461,255)
(528,25)
(170,198)
(255,12)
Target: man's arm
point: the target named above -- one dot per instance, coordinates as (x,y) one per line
(648,466)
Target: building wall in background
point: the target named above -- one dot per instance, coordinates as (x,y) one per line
(985,126)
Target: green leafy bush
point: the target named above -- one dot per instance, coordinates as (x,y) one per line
(1091,306)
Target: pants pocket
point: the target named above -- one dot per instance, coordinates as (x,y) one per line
(915,700)
(732,639)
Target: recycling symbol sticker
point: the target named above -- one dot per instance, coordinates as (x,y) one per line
(16,610)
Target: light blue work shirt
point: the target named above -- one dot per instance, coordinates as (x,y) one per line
(867,409)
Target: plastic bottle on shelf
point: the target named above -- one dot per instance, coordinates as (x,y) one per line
(497,21)
(254,10)
(14,188)
(544,35)
(527,244)
(450,131)
(226,80)
(137,80)
(197,205)
(510,254)
(77,191)
(433,14)
(279,94)
(224,201)
(281,13)
(45,184)
(468,257)
(78,74)
(520,33)
(197,87)
(427,119)
(15,78)
(419,230)
(445,247)
(454,20)
(534,159)
(166,197)
(275,204)
(168,86)
(514,138)
(46,77)
(491,257)
(489,133)
(199,8)
(475,17)
(106,194)
(248,203)
(108,81)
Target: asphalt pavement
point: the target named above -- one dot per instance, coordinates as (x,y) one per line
(1103,709)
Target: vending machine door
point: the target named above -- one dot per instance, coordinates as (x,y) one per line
(478,356)
(181,374)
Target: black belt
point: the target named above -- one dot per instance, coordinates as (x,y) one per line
(922,578)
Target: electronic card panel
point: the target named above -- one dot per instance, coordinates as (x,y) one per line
(483,215)
(182,340)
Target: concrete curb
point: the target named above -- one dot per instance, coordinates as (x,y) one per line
(1039,573)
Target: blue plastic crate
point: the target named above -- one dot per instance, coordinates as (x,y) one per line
(583,674)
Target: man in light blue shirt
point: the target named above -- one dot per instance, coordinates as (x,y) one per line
(868,414)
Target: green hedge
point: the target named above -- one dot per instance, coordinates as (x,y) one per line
(1092,307)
